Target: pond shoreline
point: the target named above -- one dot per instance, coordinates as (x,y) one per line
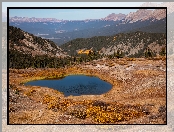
(75,85)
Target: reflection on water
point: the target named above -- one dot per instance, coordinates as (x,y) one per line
(75,85)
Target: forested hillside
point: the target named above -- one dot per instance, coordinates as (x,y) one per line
(132,44)
(27,50)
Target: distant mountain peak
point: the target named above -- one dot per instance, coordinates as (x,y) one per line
(114,17)
(144,14)
(159,14)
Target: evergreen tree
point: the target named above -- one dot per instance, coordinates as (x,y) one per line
(163,51)
(148,53)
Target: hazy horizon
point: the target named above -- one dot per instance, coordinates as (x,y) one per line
(67,14)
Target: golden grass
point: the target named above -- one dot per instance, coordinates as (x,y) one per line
(122,62)
(98,113)
(131,59)
(51,101)
(29,92)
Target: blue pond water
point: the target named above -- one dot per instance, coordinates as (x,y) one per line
(75,85)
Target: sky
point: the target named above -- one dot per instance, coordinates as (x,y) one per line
(68,14)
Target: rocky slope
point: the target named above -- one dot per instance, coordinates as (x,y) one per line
(27,43)
(143,14)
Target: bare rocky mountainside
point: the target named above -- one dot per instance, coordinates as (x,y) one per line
(139,15)
(143,14)
(27,43)
(114,17)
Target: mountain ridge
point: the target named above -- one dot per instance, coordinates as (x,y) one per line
(27,43)
(114,17)
(140,13)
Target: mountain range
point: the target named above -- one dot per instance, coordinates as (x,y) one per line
(62,31)
(141,14)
